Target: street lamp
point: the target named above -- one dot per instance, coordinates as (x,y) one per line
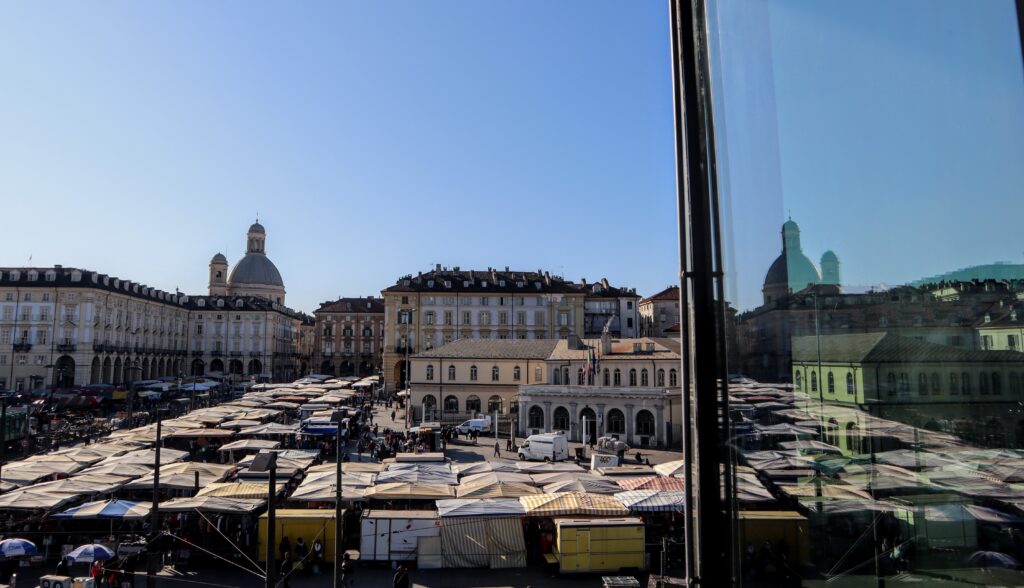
(267,462)
(132,369)
(154,525)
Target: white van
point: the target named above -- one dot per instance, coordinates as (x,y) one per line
(482,425)
(547,447)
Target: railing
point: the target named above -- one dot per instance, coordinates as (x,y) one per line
(99,347)
(236,354)
(254,354)
(66,348)
(217,353)
(23,346)
(197,353)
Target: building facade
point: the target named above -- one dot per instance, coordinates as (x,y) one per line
(438,307)
(62,327)
(973,394)
(660,313)
(585,388)
(349,338)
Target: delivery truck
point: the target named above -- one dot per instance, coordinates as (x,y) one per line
(545,447)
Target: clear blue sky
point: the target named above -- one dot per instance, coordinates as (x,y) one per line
(375,139)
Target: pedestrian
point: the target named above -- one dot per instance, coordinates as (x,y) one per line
(392,415)
(301,551)
(497,449)
(286,570)
(62,567)
(285,547)
(318,555)
(508,444)
(401,578)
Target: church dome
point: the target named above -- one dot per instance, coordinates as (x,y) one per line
(256,269)
(256,227)
(791,271)
(219,258)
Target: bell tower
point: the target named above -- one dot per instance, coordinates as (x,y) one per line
(219,275)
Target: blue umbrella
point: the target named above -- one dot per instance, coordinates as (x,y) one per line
(993,559)
(17,547)
(90,553)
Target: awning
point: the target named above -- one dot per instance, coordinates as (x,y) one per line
(495,490)
(653,500)
(106,509)
(218,504)
(572,503)
(410,491)
(253,490)
(651,483)
(462,507)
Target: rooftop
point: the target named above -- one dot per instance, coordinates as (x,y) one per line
(493,349)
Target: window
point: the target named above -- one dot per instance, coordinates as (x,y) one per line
(997,383)
(1011,341)
(467,317)
(814,381)
(560,419)
(430,372)
(890,380)
(954,384)
(538,374)
(535,417)
(673,381)
(606,383)
(473,404)
(579,377)
(429,404)
(495,374)
(1015,384)
(644,423)
(661,377)
(516,374)
(451,372)
(451,404)
(797,380)
(472,373)
(617,377)
(405,300)
(616,422)
(922,384)
(935,383)
(494,404)
(851,383)
(632,377)
(643,377)
(831,383)
(965,383)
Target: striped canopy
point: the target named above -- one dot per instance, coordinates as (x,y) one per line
(255,490)
(651,483)
(486,489)
(652,500)
(572,503)
(106,509)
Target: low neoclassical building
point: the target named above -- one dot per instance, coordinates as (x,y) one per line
(625,387)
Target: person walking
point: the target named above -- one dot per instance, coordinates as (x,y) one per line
(401,579)
(497,449)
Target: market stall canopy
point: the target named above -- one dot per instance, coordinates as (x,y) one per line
(147,457)
(479,467)
(671,468)
(477,507)
(653,500)
(182,476)
(119,469)
(240,489)
(651,483)
(106,509)
(269,429)
(399,490)
(204,433)
(536,467)
(494,477)
(27,499)
(84,484)
(572,504)
(418,475)
(585,483)
(218,504)
(495,490)
(250,445)
(240,424)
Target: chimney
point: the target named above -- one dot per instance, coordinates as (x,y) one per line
(584,282)
(437,268)
(506,268)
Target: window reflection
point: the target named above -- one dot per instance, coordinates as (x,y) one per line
(875,345)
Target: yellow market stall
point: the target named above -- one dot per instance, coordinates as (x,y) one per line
(775,526)
(308,523)
(599,545)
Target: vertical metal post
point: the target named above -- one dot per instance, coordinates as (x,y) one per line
(154,526)
(271,528)
(337,507)
(698,252)
(3,436)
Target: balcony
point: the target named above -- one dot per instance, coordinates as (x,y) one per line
(99,347)
(254,354)
(236,354)
(217,353)
(23,346)
(197,353)
(66,348)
